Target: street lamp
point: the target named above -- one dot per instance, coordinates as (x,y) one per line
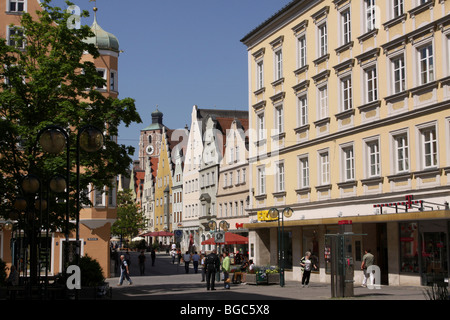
(222,224)
(274,214)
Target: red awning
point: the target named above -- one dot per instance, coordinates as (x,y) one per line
(157,234)
(230,238)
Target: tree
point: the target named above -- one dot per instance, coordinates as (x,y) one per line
(44,81)
(130,218)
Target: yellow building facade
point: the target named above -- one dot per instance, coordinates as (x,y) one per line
(163,188)
(349,112)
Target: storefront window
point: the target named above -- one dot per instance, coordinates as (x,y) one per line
(409,240)
(327,249)
(434,260)
(287,237)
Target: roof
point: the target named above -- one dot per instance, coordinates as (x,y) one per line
(275,16)
(103,39)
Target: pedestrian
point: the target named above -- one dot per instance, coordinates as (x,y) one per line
(13,278)
(153,256)
(212,266)
(141,259)
(226,267)
(124,271)
(367,261)
(179,256)
(173,253)
(306,265)
(187,260)
(195,260)
(203,265)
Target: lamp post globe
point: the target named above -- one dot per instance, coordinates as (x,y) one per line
(58,184)
(30,184)
(91,139)
(52,141)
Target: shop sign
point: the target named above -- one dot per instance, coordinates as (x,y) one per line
(264,216)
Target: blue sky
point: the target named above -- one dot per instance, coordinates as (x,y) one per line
(180,53)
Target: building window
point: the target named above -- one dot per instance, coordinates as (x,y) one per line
(349,163)
(323,39)
(426,64)
(429,147)
(398,74)
(16,37)
(278,64)
(323,102)
(280,177)
(261,181)
(113,81)
(302,111)
(324,166)
(261,127)
(346,27)
(301,51)
(101,73)
(279,119)
(346,92)
(401,153)
(370,15)
(371,84)
(304,172)
(260,75)
(373,157)
(16,5)
(398,8)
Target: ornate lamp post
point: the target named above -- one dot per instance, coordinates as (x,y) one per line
(222,224)
(274,214)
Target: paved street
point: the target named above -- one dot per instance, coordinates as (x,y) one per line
(167,281)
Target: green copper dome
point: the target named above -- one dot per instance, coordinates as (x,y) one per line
(102,39)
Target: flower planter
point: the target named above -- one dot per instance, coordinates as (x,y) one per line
(273,278)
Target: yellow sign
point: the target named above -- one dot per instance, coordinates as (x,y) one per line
(264,216)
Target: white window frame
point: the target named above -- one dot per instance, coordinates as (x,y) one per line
(398,73)
(104,76)
(260,126)
(302,107)
(348,162)
(429,146)
(279,118)
(346,26)
(278,63)
(113,85)
(261,180)
(400,142)
(373,157)
(259,74)
(346,103)
(322,39)
(303,171)
(24,2)
(301,49)
(398,8)
(371,83)
(425,64)
(324,167)
(370,13)
(322,97)
(280,177)
(11,30)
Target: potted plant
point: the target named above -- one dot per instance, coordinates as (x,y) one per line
(93,282)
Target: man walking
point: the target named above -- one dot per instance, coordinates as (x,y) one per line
(124,271)
(187,260)
(212,265)
(367,261)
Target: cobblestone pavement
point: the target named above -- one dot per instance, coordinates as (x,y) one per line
(167,281)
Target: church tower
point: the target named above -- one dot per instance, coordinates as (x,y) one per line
(150,139)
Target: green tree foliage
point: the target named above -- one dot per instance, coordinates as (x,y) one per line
(46,82)
(130,218)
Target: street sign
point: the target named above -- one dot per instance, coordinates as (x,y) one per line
(219,237)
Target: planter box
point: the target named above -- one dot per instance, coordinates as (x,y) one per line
(273,278)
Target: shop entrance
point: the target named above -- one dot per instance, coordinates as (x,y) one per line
(434,249)
(381,258)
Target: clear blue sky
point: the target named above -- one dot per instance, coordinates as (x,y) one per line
(180,53)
